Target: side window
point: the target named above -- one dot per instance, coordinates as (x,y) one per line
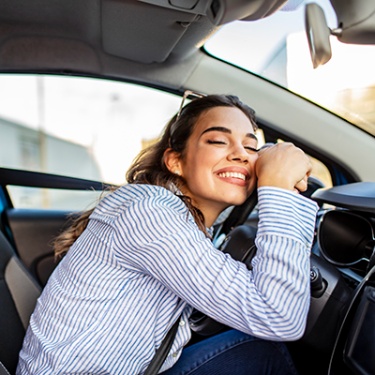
(29,151)
(74,126)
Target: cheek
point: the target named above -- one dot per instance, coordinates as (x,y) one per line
(198,171)
(200,159)
(252,161)
(252,185)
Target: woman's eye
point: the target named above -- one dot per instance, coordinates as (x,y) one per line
(215,142)
(251,149)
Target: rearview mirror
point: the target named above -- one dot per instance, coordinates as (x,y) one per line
(318,34)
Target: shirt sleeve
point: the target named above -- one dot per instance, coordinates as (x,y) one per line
(158,237)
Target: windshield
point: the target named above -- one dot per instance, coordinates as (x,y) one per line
(276,48)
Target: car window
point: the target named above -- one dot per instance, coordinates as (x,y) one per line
(75,126)
(344,85)
(58,199)
(81,127)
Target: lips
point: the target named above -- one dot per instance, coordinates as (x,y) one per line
(239,175)
(234,175)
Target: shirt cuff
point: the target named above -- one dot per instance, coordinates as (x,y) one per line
(287,214)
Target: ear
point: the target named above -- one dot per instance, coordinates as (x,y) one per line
(172,161)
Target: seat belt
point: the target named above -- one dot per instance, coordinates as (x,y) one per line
(163,350)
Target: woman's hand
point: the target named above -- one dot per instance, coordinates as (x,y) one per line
(283,165)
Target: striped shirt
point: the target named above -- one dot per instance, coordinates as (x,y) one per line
(142,261)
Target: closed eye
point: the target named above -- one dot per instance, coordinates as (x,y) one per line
(213,142)
(251,149)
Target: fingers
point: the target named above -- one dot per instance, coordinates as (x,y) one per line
(283,165)
(302,185)
(266,145)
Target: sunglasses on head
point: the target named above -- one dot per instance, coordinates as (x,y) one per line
(188,94)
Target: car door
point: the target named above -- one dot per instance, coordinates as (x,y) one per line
(73,139)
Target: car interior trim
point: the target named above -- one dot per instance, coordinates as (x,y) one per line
(23,289)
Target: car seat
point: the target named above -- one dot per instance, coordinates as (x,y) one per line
(18,295)
(3,370)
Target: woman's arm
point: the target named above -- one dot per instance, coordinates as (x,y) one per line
(271,301)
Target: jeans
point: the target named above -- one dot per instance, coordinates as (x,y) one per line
(234,353)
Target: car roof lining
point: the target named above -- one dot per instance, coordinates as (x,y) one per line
(118,38)
(128,29)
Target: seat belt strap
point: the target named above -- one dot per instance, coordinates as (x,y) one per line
(163,350)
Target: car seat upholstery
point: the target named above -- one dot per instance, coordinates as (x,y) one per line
(18,295)
(3,370)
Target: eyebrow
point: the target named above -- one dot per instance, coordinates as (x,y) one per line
(228,131)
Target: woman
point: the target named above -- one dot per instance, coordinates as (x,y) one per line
(145,259)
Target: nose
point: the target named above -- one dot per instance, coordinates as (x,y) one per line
(239,153)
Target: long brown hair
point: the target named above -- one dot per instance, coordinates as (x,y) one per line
(149,167)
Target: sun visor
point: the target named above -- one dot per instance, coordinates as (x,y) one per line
(148,37)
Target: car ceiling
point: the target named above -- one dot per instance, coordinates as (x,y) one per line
(146,40)
(152,41)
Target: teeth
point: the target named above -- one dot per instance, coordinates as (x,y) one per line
(233,175)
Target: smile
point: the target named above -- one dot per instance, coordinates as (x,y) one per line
(232,175)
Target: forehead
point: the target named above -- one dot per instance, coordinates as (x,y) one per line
(229,117)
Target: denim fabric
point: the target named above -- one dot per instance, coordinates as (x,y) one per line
(234,353)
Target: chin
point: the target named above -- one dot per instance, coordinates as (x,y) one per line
(236,201)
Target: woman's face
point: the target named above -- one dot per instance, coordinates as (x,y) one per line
(219,161)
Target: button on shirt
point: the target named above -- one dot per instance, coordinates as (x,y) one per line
(142,262)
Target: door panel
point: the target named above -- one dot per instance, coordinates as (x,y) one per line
(33,232)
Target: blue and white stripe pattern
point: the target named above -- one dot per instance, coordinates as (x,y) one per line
(142,261)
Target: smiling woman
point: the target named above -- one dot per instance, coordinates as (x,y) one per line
(84,87)
(144,259)
(223,143)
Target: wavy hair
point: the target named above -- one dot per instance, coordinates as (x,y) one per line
(149,167)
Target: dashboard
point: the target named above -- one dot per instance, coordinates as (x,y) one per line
(340,331)
(342,314)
